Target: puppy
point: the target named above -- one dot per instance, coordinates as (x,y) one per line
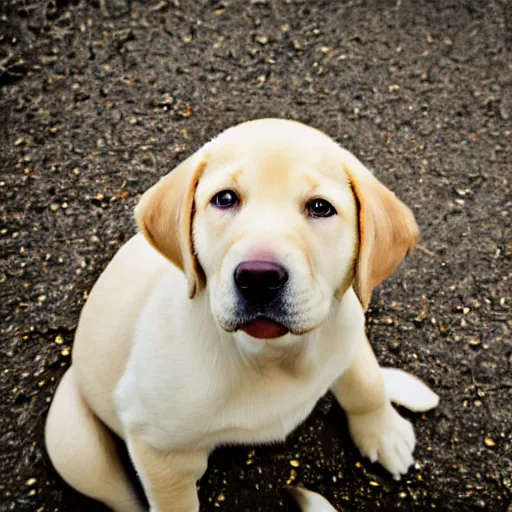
(239,304)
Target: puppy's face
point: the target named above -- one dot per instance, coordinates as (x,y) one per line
(274,219)
(275,229)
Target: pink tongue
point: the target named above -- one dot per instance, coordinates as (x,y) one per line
(265,329)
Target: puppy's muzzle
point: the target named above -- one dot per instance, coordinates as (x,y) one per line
(259,282)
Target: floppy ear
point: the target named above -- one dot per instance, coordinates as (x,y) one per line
(387,229)
(164,215)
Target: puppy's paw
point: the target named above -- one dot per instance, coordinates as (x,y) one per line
(384,436)
(309,501)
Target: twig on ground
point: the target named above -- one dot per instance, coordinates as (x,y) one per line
(426,251)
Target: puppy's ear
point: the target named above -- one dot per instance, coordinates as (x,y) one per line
(387,229)
(165,214)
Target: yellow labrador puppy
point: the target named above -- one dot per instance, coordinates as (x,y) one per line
(238,306)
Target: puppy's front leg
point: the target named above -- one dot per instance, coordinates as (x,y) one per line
(376,428)
(169,479)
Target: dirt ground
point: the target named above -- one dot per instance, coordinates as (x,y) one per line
(101,97)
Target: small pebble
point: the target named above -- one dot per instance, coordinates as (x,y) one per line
(292,477)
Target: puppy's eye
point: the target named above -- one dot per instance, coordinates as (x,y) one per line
(320,208)
(224,199)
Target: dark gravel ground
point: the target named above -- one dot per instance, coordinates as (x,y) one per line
(100,98)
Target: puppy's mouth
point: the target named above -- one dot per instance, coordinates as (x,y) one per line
(264,328)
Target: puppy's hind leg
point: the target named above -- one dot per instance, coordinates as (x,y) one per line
(404,389)
(83,451)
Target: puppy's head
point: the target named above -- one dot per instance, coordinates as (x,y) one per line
(277,220)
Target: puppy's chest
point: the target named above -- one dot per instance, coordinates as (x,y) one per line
(256,407)
(270,406)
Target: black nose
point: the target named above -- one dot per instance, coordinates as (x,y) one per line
(260,281)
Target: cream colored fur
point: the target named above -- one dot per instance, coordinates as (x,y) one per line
(158,359)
